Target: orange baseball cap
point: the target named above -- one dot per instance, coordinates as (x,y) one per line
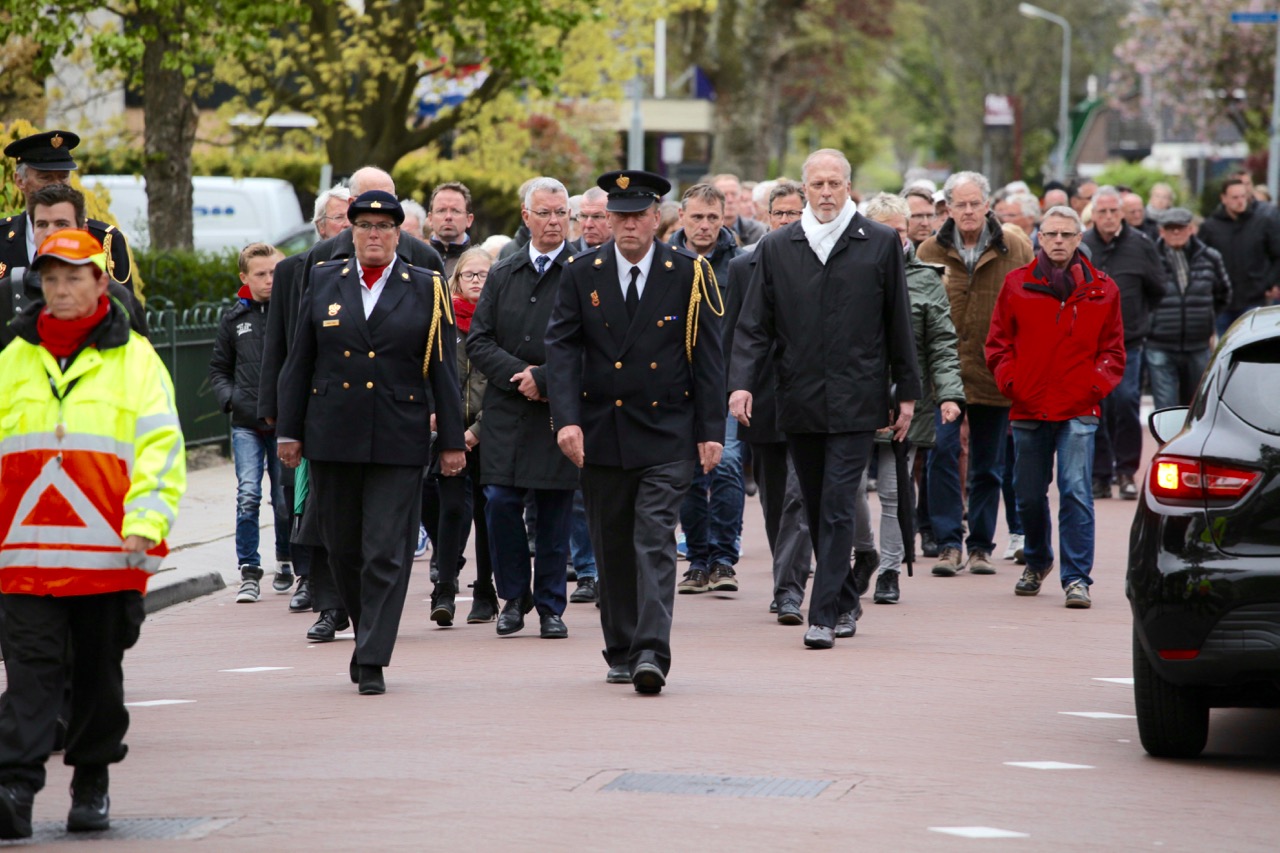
(72,246)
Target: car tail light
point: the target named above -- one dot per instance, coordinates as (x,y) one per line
(1181,478)
(1179,654)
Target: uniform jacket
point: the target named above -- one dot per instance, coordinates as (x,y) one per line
(840,331)
(508,334)
(236,365)
(764,396)
(31,294)
(936,351)
(352,389)
(13,247)
(1056,360)
(630,384)
(1250,247)
(82,474)
(1132,262)
(973,297)
(1184,319)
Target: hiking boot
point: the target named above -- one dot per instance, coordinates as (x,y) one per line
(928,545)
(484,604)
(1128,488)
(980,562)
(1029,583)
(90,804)
(250,584)
(585,593)
(282,582)
(1016,541)
(1078,595)
(443,605)
(865,564)
(695,581)
(15,810)
(949,563)
(886,588)
(723,578)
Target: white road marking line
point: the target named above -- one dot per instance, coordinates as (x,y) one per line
(256,669)
(1126,681)
(1099,715)
(978,832)
(153,703)
(1049,765)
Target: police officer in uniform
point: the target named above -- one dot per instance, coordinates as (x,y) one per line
(373,334)
(637,389)
(43,159)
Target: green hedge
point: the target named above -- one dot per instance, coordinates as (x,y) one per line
(187,278)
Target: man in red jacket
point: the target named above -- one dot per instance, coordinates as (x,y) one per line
(1056,348)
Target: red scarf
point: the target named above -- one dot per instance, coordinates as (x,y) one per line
(63,337)
(371,275)
(462,311)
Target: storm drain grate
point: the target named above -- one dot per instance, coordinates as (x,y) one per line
(717,786)
(129,829)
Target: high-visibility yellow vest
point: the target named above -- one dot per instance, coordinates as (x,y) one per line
(87,458)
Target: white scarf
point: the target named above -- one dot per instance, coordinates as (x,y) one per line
(822,236)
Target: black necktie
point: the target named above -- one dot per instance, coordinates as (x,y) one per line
(633,293)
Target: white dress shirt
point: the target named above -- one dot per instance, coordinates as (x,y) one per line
(624,270)
(369,295)
(534,254)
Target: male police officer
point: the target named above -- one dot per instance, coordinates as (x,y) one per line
(44,159)
(635,377)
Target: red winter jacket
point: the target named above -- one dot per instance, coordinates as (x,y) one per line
(1056,360)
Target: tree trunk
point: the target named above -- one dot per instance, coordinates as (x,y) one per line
(170,114)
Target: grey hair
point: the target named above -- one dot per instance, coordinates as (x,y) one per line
(1027,203)
(960,179)
(822,153)
(412,208)
(575,205)
(883,206)
(542,185)
(322,201)
(1108,190)
(595,194)
(1064,211)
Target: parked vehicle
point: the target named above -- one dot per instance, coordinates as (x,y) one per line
(227,213)
(1204,551)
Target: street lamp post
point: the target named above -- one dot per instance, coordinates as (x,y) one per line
(1064,96)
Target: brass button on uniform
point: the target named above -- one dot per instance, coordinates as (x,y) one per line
(617,365)
(653,365)
(654,404)
(617,402)
(659,323)
(370,353)
(346,384)
(346,353)
(368,384)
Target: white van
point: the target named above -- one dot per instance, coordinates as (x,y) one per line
(227,213)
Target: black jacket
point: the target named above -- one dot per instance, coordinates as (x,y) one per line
(1250,247)
(630,384)
(1184,320)
(236,365)
(839,330)
(352,389)
(764,396)
(1132,262)
(726,250)
(450,252)
(32,293)
(13,247)
(508,334)
(277,338)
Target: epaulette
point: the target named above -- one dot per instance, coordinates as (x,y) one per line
(320,263)
(590,250)
(688,253)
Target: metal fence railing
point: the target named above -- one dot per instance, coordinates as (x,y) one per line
(184,341)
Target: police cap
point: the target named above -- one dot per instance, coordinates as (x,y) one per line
(49,151)
(632,191)
(376,201)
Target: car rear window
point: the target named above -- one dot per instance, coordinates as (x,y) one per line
(1253,384)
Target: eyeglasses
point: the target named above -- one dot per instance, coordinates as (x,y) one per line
(592,217)
(473,276)
(1058,235)
(449,211)
(561,213)
(380,227)
(787,214)
(966,205)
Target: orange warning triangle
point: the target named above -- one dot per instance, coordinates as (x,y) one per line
(53,510)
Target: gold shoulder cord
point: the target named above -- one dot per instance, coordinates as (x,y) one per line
(111,263)
(696,296)
(442,306)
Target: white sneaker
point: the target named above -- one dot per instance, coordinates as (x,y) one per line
(423,542)
(282,582)
(249,591)
(1016,542)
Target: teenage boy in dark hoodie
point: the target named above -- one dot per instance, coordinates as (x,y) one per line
(234,371)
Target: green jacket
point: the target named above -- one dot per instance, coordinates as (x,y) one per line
(936,347)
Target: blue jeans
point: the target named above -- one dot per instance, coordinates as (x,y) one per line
(1175,375)
(711,515)
(509,544)
(987,426)
(580,552)
(1036,442)
(255,452)
(1118,448)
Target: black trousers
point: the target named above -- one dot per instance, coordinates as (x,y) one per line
(368,518)
(310,559)
(449,507)
(46,640)
(829,467)
(631,516)
(785,522)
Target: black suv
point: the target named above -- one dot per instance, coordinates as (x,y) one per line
(1204,551)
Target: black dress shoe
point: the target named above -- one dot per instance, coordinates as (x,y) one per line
(90,804)
(15,810)
(647,678)
(553,627)
(511,619)
(585,593)
(886,588)
(354,669)
(620,674)
(846,626)
(371,683)
(789,614)
(820,637)
(326,628)
(301,601)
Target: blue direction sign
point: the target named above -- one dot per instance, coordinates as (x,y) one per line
(1255,17)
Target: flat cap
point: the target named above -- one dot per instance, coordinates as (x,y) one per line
(49,151)
(376,201)
(631,191)
(1176,216)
